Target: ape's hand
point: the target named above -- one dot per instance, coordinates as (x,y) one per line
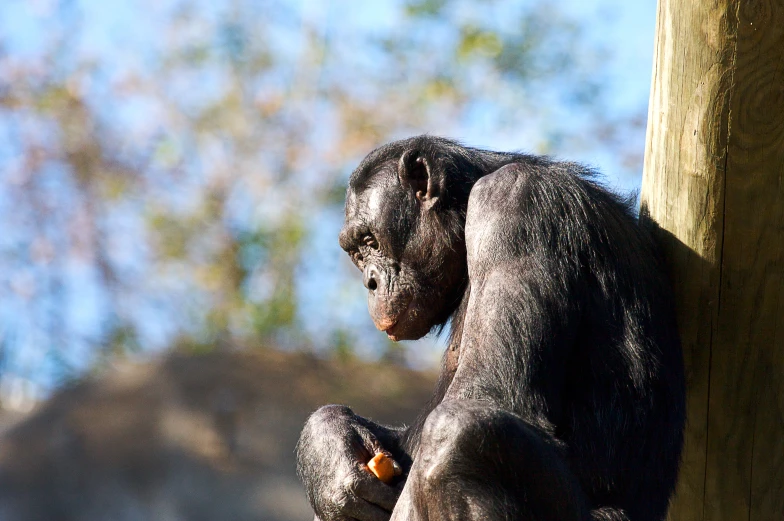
(384,468)
(332,456)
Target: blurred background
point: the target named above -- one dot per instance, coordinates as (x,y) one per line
(173,301)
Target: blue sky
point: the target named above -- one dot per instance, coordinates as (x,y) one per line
(126,31)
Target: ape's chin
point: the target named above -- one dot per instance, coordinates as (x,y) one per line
(411,326)
(403,331)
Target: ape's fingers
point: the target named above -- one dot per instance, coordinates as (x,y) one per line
(373,490)
(362,510)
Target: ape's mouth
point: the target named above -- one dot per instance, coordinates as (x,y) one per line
(390,331)
(393,331)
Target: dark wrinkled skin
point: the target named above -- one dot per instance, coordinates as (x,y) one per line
(561,394)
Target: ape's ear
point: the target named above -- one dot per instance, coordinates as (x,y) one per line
(415,173)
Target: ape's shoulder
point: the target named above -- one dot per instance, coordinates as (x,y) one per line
(495,206)
(536,188)
(500,196)
(496,188)
(509,185)
(540,204)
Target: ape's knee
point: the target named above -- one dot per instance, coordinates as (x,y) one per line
(450,423)
(329,414)
(451,436)
(326,419)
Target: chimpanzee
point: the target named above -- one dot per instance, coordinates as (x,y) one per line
(562,390)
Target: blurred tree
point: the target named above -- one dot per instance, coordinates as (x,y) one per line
(173,172)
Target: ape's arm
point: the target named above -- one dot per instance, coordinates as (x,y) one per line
(523,315)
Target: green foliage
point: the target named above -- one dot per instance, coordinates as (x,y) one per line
(282,247)
(430,8)
(185,174)
(478,42)
(342,345)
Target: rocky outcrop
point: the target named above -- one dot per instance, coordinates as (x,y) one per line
(187,438)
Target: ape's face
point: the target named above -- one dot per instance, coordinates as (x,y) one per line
(413,270)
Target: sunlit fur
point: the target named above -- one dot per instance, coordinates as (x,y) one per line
(563,338)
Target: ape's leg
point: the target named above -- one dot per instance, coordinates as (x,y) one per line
(476,461)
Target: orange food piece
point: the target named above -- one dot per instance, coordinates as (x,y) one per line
(383,467)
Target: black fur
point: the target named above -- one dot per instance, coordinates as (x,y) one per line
(562,392)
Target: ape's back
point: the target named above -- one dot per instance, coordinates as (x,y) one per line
(543,231)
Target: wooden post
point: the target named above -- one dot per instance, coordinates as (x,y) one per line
(714,183)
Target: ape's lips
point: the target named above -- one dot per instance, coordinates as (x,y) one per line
(390,329)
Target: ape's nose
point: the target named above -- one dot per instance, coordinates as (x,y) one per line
(371,277)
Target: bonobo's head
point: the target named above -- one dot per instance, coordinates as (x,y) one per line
(404,229)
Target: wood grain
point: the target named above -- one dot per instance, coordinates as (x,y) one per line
(714,184)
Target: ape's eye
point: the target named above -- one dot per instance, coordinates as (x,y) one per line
(370,241)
